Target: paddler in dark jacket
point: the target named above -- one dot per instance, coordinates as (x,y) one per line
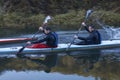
(51,40)
(93,38)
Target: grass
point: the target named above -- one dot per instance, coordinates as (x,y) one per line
(68,21)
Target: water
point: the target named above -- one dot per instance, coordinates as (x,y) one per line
(44,76)
(77,67)
(97,65)
(113,33)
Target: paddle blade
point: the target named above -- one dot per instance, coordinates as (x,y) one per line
(88,13)
(21,49)
(46,19)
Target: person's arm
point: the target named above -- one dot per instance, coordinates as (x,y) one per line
(39,41)
(81,38)
(85,26)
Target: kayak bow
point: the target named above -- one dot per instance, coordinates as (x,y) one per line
(15,40)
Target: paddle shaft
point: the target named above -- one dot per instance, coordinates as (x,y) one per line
(21,49)
(86,17)
(45,22)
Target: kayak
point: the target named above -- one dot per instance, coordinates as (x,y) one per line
(14,40)
(107,44)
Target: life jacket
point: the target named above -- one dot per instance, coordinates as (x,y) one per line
(99,38)
(56,38)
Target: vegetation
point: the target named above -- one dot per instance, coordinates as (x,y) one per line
(66,13)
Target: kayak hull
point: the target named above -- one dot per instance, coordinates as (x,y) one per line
(62,48)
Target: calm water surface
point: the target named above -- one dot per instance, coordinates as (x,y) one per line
(93,65)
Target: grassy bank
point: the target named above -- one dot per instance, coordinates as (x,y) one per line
(69,21)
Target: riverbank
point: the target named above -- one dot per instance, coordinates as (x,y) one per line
(68,21)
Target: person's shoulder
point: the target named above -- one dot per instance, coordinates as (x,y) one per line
(50,33)
(97,31)
(54,32)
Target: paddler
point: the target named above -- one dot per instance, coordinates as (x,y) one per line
(51,39)
(93,38)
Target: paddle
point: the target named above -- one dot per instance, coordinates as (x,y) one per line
(21,49)
(44,23)
(88,13)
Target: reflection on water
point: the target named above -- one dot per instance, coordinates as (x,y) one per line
(48,62)
(40,75)
(87,61)
(83,67)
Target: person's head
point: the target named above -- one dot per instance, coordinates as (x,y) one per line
(91,28)
(47,30)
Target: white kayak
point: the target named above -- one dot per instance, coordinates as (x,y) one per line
(62,48)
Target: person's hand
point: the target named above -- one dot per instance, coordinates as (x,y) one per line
(28,42)
(83,24)
(41,28)
(75,36)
